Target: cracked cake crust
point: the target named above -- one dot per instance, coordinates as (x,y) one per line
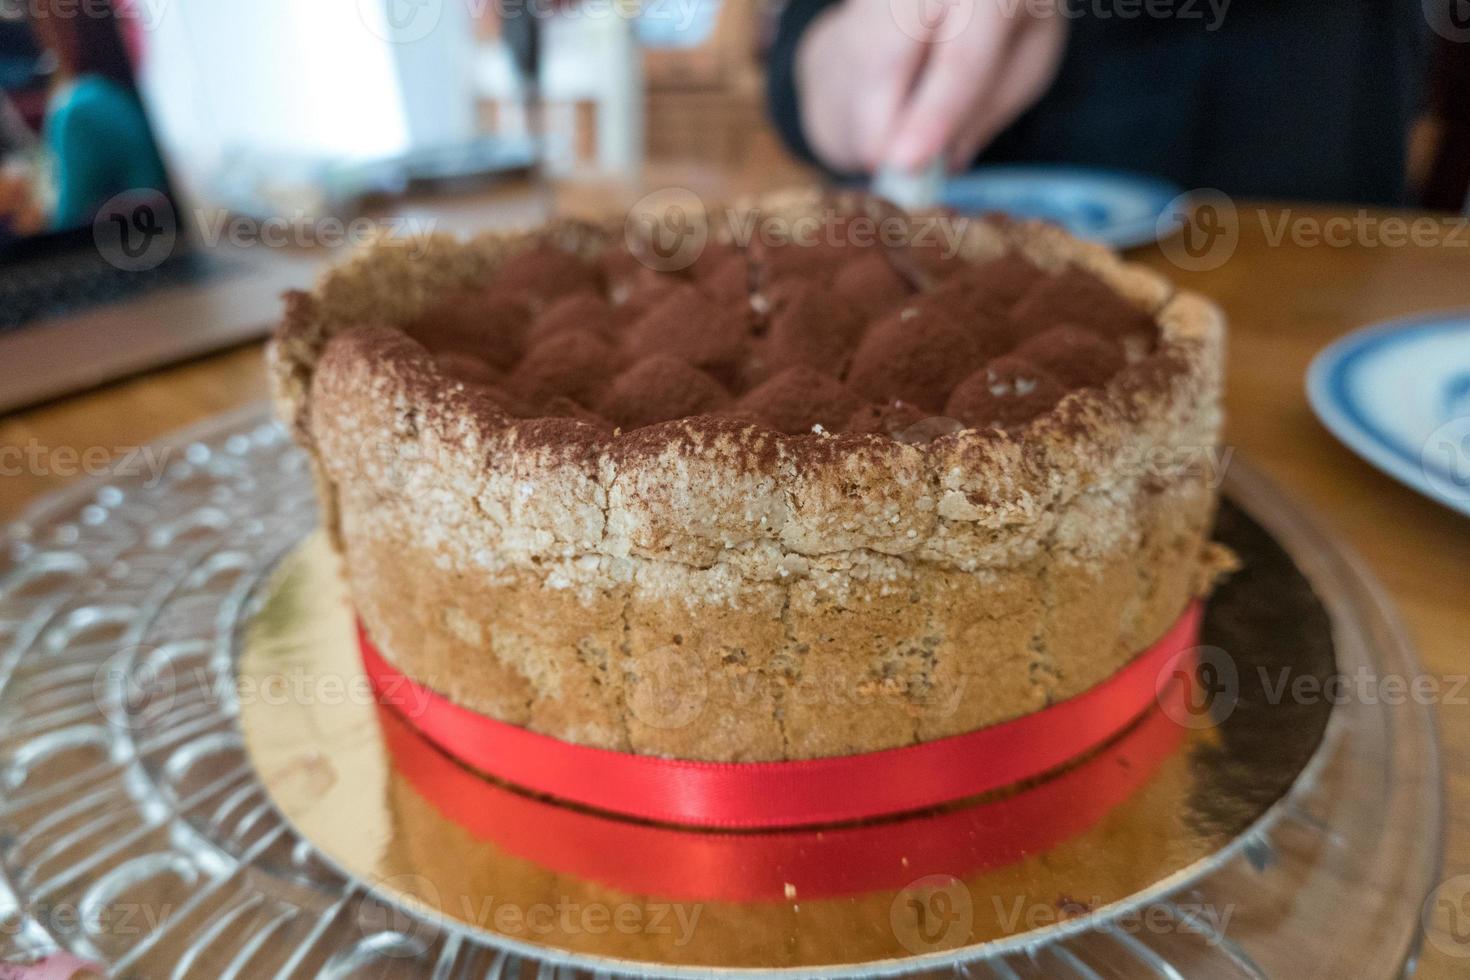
(710,588)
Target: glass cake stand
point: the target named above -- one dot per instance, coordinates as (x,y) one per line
(136,829)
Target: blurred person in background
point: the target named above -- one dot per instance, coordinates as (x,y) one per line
(21,214)
(1260,98)
(95,137)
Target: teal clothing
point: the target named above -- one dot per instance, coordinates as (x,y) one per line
(100,145)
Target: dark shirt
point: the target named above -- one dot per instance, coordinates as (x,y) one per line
(1274,99)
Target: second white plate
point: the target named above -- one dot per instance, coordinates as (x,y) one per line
(1398,394)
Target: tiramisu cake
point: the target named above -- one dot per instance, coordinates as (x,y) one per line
(838,479)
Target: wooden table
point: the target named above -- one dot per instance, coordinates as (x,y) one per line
(1286,298)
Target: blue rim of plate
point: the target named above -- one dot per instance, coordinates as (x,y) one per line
(1162,197)
(1343,415)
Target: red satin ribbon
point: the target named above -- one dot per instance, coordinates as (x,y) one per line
(714,866)
(808,792)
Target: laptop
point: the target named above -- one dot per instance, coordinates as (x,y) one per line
(102,269)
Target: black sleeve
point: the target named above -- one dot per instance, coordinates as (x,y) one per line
(781,94)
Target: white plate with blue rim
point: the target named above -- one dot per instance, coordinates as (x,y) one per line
(1398,394)
(1114,207)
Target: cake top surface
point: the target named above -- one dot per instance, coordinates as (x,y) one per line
(830,326)
(571,387)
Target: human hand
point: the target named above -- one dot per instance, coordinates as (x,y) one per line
(900,83)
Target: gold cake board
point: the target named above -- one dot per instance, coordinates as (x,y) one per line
(1107,838)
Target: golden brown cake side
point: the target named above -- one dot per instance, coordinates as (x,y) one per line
(712,589)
